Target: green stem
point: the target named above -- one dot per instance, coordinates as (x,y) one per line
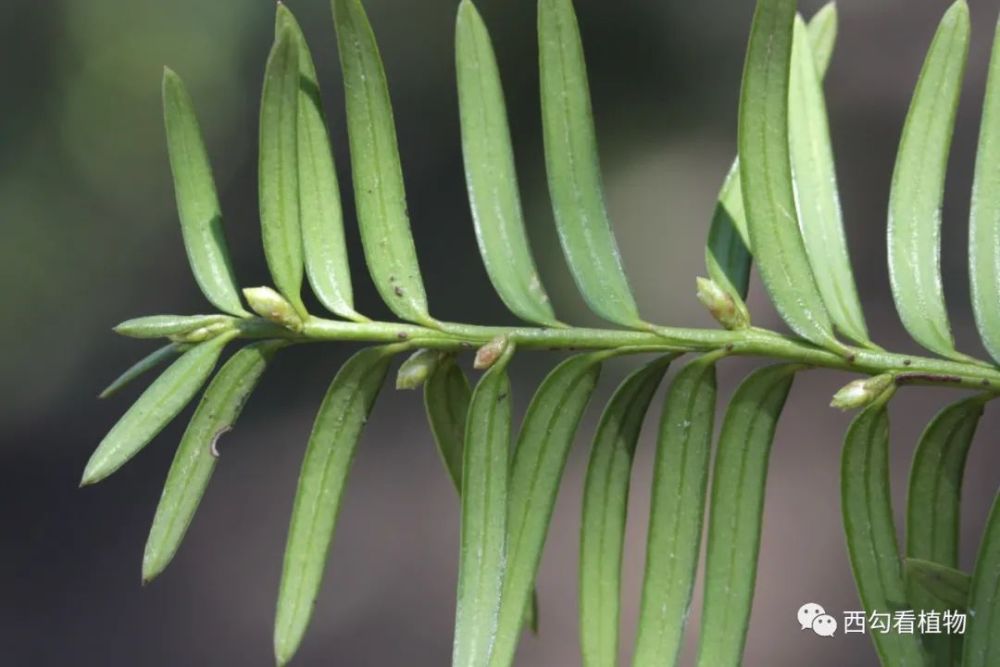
(908,369)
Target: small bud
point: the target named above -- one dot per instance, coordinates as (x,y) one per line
(201,334)
(415,370)
(488,354)
(272,306)
(726,310)
(861,393)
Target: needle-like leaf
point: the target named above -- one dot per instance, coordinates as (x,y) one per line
(539,459)
(981,644)
(727,253)
(918,187)
(378,176)
(945,587)
(446,400)
(141,367)
(490,173)
(320,213)
(278,170)
(984,226)
(816,196)
(197,201)
(574,170)
(737,513)
(933,502)
(196,456)
(154,409)
(484,517)
(605,504)
(871,534)
(328,459)
(765,170)
(680,474)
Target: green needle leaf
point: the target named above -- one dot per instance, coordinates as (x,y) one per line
(154,409)
(871,533)
(321,217)
(816,195)
(491,175)
(539,459)
(765,170)
(147,363)
(984,226)
(935,492)
(328,459)
(918,187)
(573,167)
(945,587)
(680,474)
(378,176)
(278,173)
(737,513)
(605,505)
(197,455)
(197,201)
(933,502)
(484,517)
(981,644)
(727,254)
(446,400)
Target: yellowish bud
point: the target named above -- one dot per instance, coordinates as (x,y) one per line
(861,393)
(725,308)
(415,370)
(488,354)
(272,306)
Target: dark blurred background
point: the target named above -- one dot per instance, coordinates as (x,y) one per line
(90,237)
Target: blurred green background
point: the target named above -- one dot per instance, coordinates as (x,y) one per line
(90,237)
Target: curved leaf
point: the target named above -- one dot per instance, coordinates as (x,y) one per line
(935,493)
(945,587)
(933,502)
(197,202)
(816,196)
(765,170)
(154,409)
(918,186)
(490,173)
(737,513)
(727,254)
(196,456)
(484,517)
(605,504)
(984,224)
(328,460)
(573,168)
(871,534)
(981,644)
(446,400)
(378,176)
(539,459)
(320,214)
(680,473)
(278,170)
(147,363)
